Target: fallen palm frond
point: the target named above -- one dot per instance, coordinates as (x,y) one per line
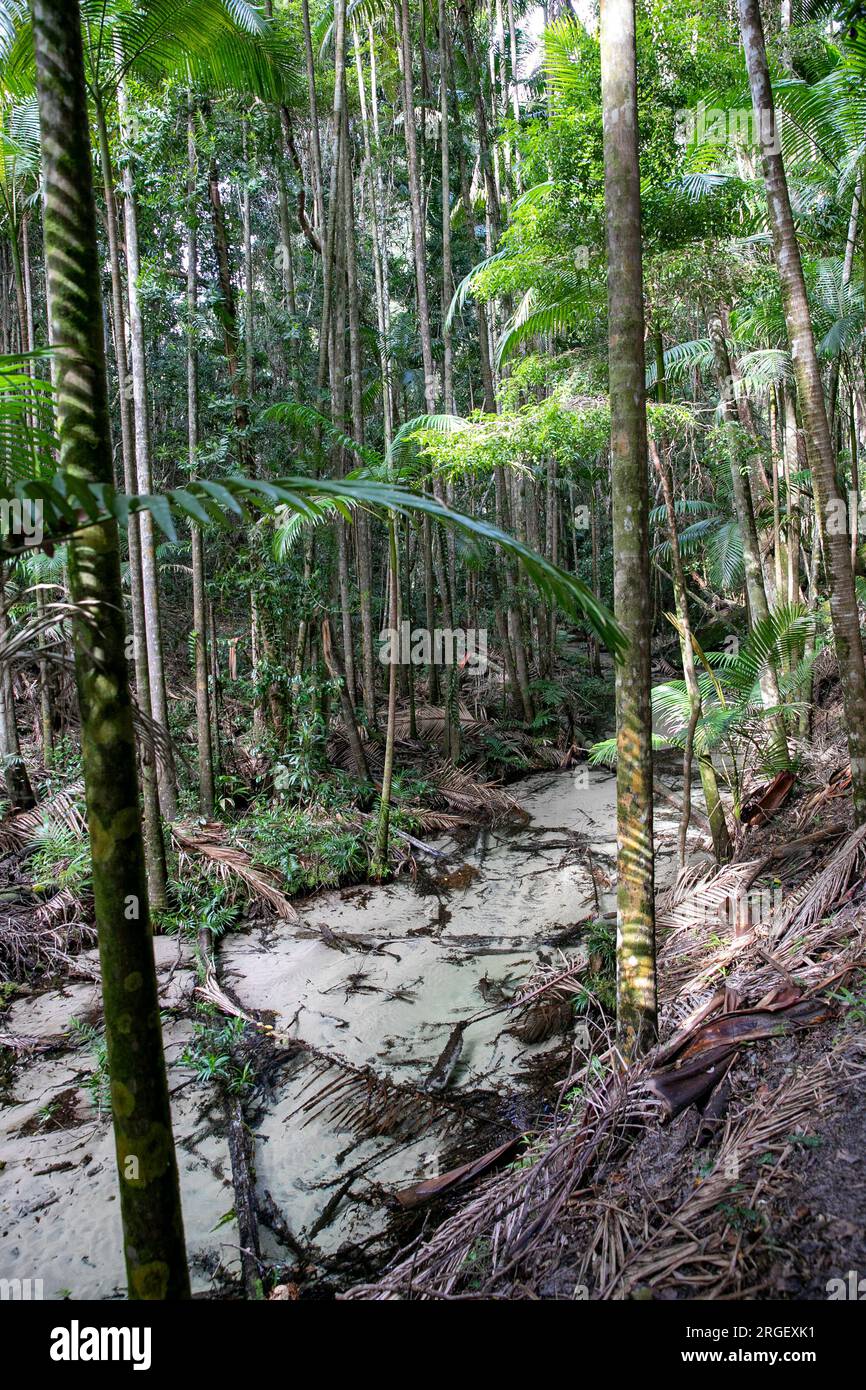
(513,1232)
(495,1239)
(432,721)
(64,808)
(706,1242)
(355,1098)
(464,790)
(429,1188)
(43,940)
(825,888)
(207,843)
(428,819)
(767,800)
(545,1003)
(700,1059)
(711,923)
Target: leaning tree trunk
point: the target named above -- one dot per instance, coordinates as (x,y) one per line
(636,965)
(829,504)
(149,1188)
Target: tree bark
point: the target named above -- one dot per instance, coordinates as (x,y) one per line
(830,506)
(149,1189)
(636,967)
(199,597)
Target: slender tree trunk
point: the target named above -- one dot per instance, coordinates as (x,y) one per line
(419,241)
(199,597)
(830,506)
(362,521)
(636,967)
(709,782)
(445,151)
(144,474)
(153,837)
(149,1188)
(14,768)
(46,711)
(380,862)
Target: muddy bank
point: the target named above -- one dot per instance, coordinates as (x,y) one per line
(374,976)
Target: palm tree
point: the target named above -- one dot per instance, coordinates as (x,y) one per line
(636,968)
(835,541)
(147,1167)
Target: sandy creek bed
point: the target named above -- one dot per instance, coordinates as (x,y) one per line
(408,963)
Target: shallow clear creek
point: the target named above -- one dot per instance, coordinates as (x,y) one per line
(377,976)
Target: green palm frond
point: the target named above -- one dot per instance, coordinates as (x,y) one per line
(465,288)
(725,557)
(409,431)
(308,424)
(683,358)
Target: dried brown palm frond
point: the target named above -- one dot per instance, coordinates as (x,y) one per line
(360,1101)
(545,1002)
(354,1098)
(463,789)
(429,820)
(431,722)
(64,809)
(43,940)
(823,891)
(208,844)
(498,1235)
(705,1243)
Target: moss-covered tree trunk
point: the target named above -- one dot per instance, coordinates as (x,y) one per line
(829,504)
(636,965)
(149,1190)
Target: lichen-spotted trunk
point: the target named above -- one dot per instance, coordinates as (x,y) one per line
(636,969)
(149,1191)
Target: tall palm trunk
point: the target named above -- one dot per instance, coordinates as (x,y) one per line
(416,212)
(830,506)
(636,966)
(153,839)
(199,596)
(149,1189)
(144,475)
(447,285)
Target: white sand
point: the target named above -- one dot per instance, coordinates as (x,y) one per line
(388,1000)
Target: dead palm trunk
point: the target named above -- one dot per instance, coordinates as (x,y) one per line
(149,1189)
(830,506)
(636,966)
